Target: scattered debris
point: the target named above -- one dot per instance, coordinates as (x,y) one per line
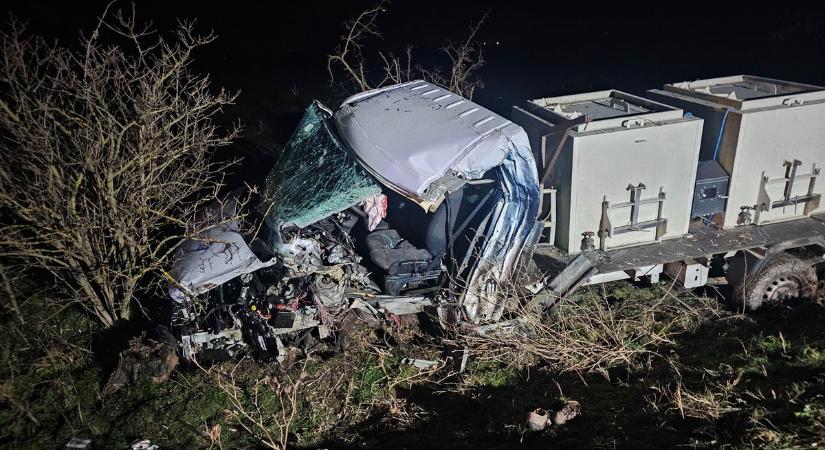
(400,305)
(502,327)
(76,442)
(567,413)
(465,354)
(376,209)
(538,419)
(143,444)
(424,364)
(142,360)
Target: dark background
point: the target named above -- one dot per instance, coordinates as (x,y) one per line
(276,53)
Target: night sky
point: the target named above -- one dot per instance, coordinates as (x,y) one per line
(272,51)
(550,49)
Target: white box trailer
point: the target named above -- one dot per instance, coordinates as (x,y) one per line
(620,168)
(769,135)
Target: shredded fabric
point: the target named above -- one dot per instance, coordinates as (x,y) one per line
(376,209)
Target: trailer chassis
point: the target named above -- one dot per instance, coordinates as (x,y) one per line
(685,259)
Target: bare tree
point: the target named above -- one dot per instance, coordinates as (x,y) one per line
(464,57)
(350,51)
(106,156)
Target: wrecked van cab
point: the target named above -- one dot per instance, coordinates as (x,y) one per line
(407,196)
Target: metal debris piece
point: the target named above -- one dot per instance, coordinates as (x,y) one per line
(568,412)
(229,341)
(503,327)
(400,305)
(76,442)
(535,288)
(143,444)
(538,419)
(424,364)
(448,315)
(361,313)
(281,357)
(461,357)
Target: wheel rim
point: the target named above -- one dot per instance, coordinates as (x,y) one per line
(782,288)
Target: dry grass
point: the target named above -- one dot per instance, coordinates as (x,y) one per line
(330,398)
(708,401)
(594,331)
(312,398)
(267,409)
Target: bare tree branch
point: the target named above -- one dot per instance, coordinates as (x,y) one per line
(464,57)
(107,157)
(349,54)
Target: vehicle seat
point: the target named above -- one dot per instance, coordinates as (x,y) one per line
(395,255)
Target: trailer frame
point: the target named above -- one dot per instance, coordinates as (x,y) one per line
(564,274)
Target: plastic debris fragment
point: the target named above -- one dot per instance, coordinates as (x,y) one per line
(376,209)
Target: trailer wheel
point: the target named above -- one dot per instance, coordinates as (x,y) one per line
(783,278)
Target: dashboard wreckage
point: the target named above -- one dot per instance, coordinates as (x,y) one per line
(406,197)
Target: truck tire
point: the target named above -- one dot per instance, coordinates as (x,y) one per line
(783,278)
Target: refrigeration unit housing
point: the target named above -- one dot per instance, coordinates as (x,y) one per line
(768,135)
(621,168)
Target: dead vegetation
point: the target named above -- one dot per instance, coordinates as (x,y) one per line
(708,401)
(465,58)
(352,58)
(310,397)
(41,358)
(595,331)
(705,369)
(266,407)
(106,157)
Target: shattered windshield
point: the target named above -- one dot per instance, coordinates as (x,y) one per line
(315,176)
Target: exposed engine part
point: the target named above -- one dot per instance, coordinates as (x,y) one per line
(329,289)
(302,256)
(318,278)
(213,346)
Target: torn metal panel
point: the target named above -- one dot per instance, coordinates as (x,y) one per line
(422,140)
(511,228)
(221,255)
(400,305)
